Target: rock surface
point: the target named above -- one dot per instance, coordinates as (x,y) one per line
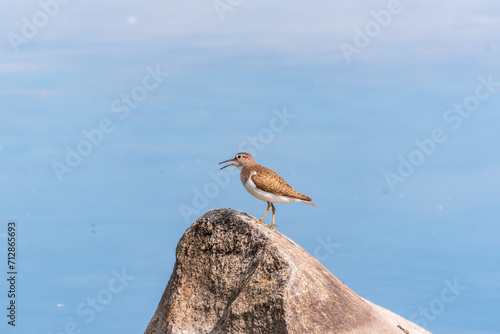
(235,276)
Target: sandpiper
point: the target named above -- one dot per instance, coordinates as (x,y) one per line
(265,184)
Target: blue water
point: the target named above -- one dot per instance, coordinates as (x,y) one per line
(115,117)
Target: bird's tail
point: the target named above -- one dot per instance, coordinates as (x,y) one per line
(310,203)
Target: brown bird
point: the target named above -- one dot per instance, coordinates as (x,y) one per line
(265,184)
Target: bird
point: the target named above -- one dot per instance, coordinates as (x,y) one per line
(265,184)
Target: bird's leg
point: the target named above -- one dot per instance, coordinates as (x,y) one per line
(261,221)
(273,224)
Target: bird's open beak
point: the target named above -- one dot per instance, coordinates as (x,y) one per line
(232,164)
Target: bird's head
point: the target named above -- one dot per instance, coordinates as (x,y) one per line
(240,160)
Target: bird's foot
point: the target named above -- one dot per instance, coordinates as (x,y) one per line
(259,221)
(271,226)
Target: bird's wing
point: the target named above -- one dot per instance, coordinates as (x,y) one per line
(267,180)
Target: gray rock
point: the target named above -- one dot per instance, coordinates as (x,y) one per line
(233,275)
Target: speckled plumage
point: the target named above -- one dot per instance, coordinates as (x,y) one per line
(267,180)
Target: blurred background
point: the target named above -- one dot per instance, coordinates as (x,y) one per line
(115,115)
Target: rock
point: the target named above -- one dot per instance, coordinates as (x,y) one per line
(235,276)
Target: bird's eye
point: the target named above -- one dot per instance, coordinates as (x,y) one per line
(239,156)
